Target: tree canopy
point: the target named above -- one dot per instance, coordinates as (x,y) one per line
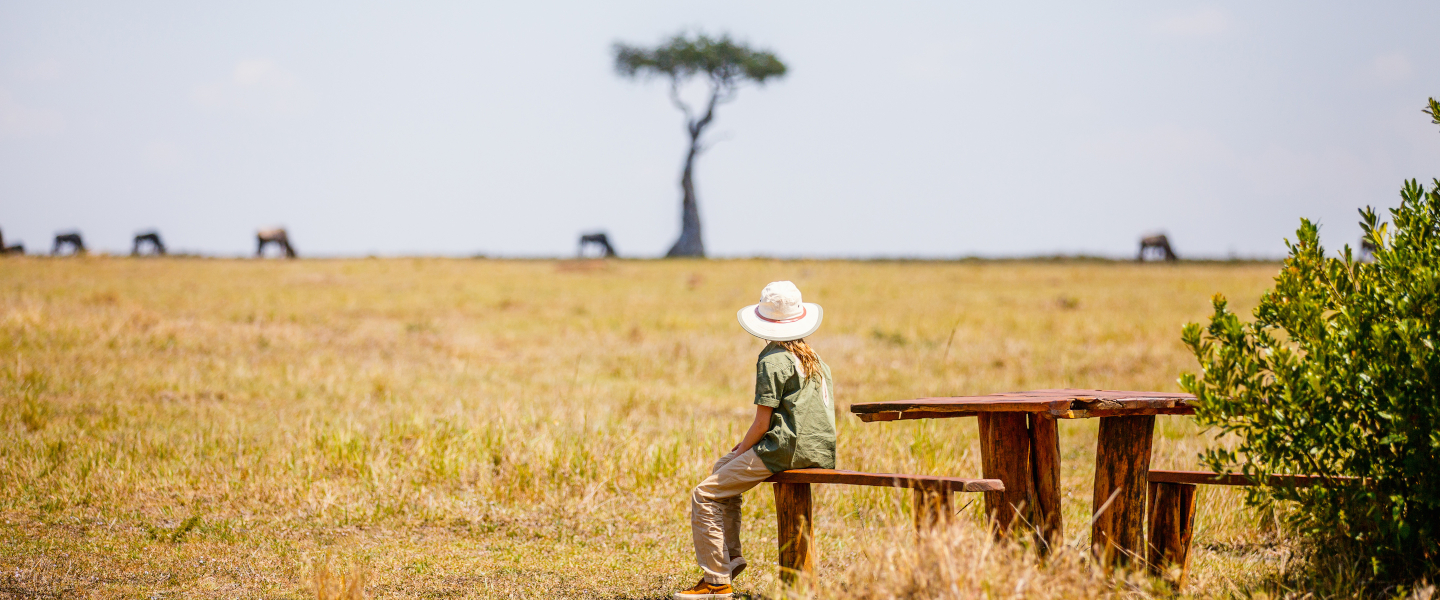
(722,60)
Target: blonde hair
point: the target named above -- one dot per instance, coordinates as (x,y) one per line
(808,359)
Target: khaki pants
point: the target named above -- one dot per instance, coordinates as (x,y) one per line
(715,513)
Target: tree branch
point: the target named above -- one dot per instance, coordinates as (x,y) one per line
(721,90)
(724,87)
(701,148)
(675,99)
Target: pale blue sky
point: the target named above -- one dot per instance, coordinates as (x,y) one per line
(904,129)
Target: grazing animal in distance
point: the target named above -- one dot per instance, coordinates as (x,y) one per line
(274,235)
(599,240)
(71,239)
(1367,250)
(1157,243)
(152,238)
(16,249)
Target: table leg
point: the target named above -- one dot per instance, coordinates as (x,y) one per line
(1122,468)
(1005,455)
(1045,464)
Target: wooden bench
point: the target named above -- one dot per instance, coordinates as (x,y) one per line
(1172,512)
(794,513)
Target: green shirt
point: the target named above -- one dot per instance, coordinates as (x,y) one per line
(802,428)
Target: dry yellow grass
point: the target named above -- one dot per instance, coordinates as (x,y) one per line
(473,428)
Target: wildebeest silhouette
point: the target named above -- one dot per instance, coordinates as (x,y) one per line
(599,240)
(152,238)
(1157,243)
(16,249)
(1367,250)
(274,235)
(71,239)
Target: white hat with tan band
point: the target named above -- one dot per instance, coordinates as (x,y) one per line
(781,316)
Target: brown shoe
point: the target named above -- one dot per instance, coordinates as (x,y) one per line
(706,591)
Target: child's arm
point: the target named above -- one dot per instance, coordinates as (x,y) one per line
(757,429)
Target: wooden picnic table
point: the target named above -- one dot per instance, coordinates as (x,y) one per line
(1020,445)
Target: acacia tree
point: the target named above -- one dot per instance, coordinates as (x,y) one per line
(725,65)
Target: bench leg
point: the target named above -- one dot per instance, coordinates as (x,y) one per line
(1005,455)
(932,509)
(1172,525)
(1045,464)
(1122,469)
(794,515)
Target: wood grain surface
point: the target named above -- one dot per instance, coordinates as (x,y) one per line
(794,516)
(1005,455)
(1208,478)
(1172,523)
(1122,464)
(1045,466)
(1060,403)
(930,482)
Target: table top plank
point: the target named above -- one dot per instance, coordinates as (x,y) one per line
(974,404)
(1058,403)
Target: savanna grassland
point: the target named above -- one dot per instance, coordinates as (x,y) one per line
(473,428)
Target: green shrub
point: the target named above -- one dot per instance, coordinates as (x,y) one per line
(1339,375)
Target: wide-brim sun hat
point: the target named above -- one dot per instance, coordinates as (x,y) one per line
(781,316)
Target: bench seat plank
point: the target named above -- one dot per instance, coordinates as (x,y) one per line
(953,484)
(1208,478)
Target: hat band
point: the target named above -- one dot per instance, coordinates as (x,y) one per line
(803,310)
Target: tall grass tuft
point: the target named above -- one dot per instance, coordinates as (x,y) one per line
(331,585)
(964,561)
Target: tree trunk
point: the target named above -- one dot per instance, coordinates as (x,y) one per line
(689,243)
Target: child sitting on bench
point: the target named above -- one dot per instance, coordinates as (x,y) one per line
(794,428)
